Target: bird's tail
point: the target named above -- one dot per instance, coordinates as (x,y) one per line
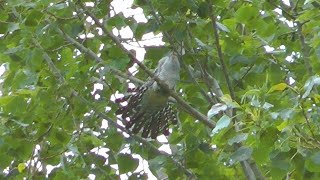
(137,119)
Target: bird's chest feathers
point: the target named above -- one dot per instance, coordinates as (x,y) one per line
(154,100)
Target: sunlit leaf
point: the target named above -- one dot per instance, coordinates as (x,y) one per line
(222,27)
(238,138)
(313,81)
(222,123)
(229,102)
(215,109)
(21,167)
(278,87)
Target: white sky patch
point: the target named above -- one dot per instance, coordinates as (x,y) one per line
(104,124)
(291,80)
(90,4)
(121,5)
(2,69)
(289,59)
(97,86)
(286,2)
(290,23)
(165,148)
(126,32)
(92,176)
(116,95)
(143,165)
(154,39)
(139,50)
(162,139)
(293,56)
(131,85)
(268,48)
(283,47)
(278,10)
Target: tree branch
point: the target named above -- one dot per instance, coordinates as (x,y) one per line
(220,55)
(250,169)
(56,71)
(189,109)
(95,57)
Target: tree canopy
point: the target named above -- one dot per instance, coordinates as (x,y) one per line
(248,98)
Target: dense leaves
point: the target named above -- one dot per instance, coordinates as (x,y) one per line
(251,66)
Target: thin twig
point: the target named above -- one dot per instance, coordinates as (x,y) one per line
(307,120)
(191,76)
(95,57)
(305,50)
(250,170)
(220,55)
(141,140)
(189,109)
(112,122)
(170,39)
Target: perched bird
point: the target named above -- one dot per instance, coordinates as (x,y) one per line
(148,108)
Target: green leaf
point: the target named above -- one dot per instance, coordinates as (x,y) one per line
(308,14)
(239,59)
(157,164)
(222,123)
(13,27)
(61,136)
(312,81)
(246,13)
(6,159)
(238,138)
(61,119)
(120,63)
(267,106)
(35,60)
(226,98)
(241,154)
(127,163)
(34,18)
(216,109)
(201,44)
(222,27)
(24,78)
(313,162)
(13,104)
(179,34)
(140,30)
(264,145)
(167,25)
(93,140)
(203,10)
(21,167)
(117,21)
(278,87)
(58,6)
(114,141)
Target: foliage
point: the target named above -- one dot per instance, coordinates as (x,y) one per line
(260,69)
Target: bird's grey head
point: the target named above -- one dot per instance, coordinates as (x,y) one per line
(169,70)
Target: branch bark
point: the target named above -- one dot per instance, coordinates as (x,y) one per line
(251,170)
(189,109)
(59,76)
